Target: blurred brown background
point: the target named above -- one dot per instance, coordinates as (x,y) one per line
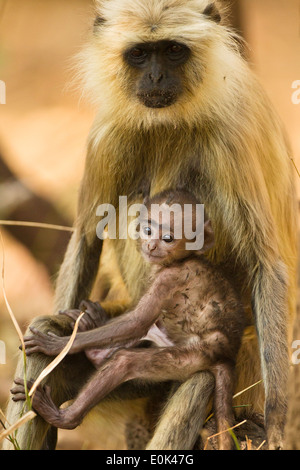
(43,130)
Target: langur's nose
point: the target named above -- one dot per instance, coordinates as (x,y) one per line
(151,245)
(156,77)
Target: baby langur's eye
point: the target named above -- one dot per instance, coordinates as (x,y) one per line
(147,230)
(167,238)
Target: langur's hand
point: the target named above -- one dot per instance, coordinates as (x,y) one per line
(49,344)
(94,316)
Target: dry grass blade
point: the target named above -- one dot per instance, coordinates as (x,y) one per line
(221,432)
(234,396)
(3,418)
(293,161)
(13,318)
(248,443)
(245,389)
(36,225)
(30,414)
(260,446)
(7,432)
(58,358)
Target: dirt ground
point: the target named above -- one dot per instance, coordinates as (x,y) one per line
(44,125)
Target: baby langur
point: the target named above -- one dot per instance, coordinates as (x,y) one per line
(190,311)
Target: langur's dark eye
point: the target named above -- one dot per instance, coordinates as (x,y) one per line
(174,49)
(177,53)
(167,238)
(136,56)
(137,53)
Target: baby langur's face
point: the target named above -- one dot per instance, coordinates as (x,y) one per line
(159,242)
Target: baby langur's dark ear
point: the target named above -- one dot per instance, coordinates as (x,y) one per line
(209,237)
(212,12)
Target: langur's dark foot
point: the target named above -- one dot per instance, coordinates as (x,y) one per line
(18,391)
(43,405)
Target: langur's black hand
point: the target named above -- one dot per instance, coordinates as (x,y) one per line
(49,344)
(94,313)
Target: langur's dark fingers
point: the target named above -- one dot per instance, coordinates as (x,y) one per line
(73,314)
(31,342)
(84,304)
(27,342)
(83,325)
(18,389)
(19,397)
(93,308)
(50,333)
(32,350)
(47,389)
(19,381)
(36,332)
(28,339)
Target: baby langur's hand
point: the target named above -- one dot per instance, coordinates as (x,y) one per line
(49,344)
(94,316)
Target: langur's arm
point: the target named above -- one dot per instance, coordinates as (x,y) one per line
(78,271)
(119,332)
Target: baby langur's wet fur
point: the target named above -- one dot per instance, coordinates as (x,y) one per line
(190,311)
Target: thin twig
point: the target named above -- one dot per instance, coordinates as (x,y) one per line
(13,318)
(4,418)
(36,225)
(260,446)
(245,389)
(221,432)
(295,167)
(31,414)
(7,432)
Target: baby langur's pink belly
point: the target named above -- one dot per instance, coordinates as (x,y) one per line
(158,337)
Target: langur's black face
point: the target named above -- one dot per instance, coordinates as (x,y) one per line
(158,66)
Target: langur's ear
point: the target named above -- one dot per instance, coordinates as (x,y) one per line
(99,20)
(146,200)
(212,12)
(209,237)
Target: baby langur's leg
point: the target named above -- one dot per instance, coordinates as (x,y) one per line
(224,385)
(155,365)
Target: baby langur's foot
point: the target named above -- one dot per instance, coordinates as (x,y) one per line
(43,404)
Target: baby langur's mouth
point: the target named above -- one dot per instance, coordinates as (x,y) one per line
(149,256)
(157,98)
